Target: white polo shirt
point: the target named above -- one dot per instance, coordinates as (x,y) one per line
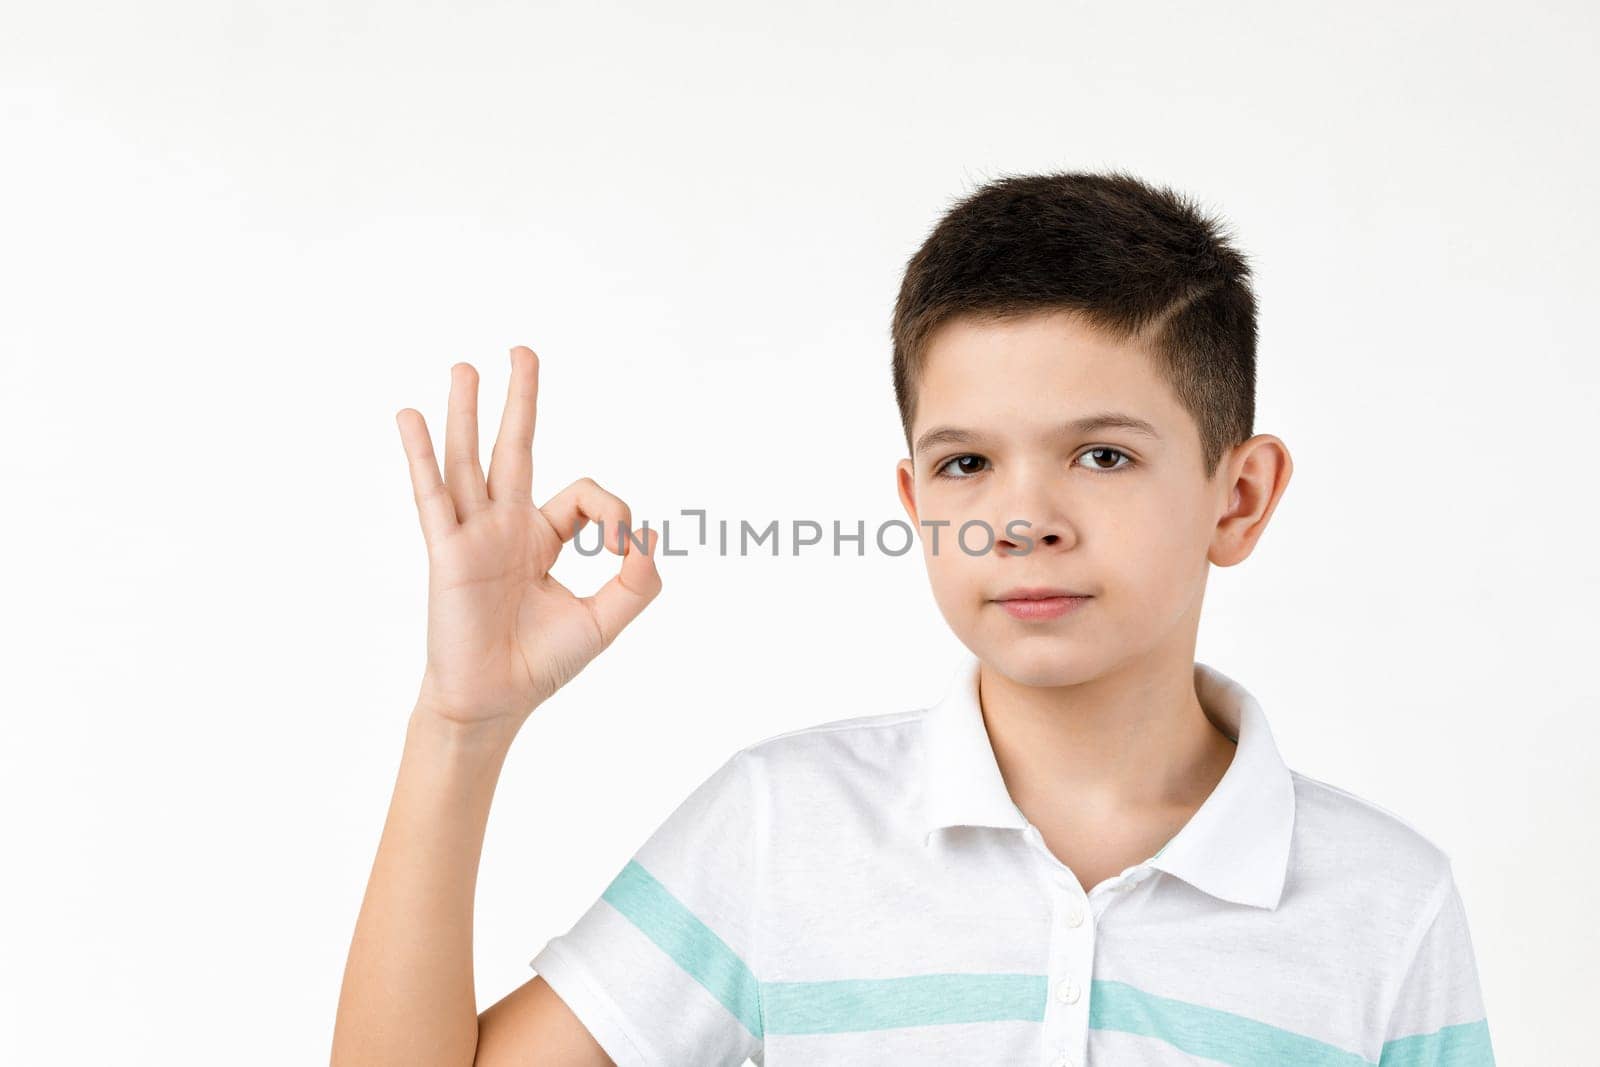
(864,891)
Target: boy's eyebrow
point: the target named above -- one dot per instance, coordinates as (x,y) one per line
(1104,420)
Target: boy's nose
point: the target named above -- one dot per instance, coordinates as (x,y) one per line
(1027,540)
(1029,532)
(1033,512)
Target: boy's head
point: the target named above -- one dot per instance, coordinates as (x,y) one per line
(1039,303)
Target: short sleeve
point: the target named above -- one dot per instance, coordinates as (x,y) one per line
(659,968)
(1438,1019)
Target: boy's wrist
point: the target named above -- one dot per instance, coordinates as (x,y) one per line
(437,728)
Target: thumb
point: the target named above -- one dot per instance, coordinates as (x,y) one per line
(635,584)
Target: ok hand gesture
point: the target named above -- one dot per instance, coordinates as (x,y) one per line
(503,635)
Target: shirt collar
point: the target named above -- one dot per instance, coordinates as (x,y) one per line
(1235,846)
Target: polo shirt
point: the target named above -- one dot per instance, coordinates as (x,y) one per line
(865,891)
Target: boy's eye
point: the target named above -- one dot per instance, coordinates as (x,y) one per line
(1097,455)
(1100,459)
(939,471)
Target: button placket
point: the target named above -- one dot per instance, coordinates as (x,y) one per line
(1072,980)
(1071,960)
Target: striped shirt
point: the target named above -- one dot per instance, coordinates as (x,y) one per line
(865,891)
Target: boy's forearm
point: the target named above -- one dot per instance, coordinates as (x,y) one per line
(408,992)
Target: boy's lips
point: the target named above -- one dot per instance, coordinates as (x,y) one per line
(1038,592)
(1036,602)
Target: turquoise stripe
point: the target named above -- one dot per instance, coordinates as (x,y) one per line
(1461,1045)
(852,1004)
(692,944)
(859,1004)
(1209,1032)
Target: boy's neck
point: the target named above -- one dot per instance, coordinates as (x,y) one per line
(1133,740)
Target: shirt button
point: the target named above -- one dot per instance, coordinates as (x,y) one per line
(1074,914)
(1066,991)
(1063,1061)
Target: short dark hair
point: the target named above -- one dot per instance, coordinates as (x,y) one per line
(1140,262)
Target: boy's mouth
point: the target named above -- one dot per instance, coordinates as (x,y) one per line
(1040,603)
(1038,592)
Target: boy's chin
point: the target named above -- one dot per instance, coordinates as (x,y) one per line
(1044,661)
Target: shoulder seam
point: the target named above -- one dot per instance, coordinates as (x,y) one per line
(1374,807)
(893,718)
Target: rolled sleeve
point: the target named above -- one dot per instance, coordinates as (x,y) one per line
(659,969)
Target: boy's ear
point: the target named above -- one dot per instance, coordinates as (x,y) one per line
(1255,477)
(906,485)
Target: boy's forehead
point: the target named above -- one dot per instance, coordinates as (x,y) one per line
(1047,365)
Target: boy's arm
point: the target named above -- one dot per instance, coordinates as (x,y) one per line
(427,867)
(532,1016)
(503,636)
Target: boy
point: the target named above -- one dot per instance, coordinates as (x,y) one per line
(1088,852)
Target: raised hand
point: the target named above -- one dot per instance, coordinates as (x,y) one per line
(503,635)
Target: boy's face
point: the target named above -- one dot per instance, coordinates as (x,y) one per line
(1125,518)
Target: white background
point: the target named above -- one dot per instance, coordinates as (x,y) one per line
(237,238)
